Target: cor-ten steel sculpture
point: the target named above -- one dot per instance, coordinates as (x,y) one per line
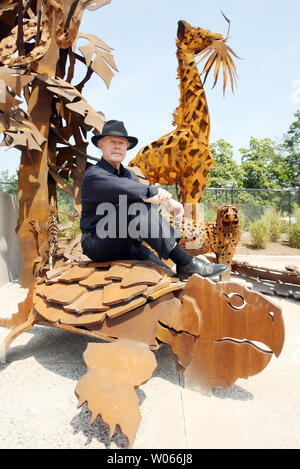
(220,236)
(183,157)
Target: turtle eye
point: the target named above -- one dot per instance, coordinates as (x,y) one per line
(236,302)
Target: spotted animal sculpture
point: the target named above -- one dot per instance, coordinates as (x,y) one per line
(135,306)
(220,236)
(183,157)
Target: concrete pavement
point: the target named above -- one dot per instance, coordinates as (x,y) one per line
(277,262)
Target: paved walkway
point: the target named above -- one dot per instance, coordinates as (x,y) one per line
(39,407)
(277,262)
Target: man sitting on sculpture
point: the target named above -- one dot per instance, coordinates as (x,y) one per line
(119,212)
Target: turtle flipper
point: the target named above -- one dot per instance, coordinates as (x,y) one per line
(21,322)
(18,330)
(114,370)
(24,310)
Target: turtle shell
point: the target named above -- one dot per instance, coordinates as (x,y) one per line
(116,299)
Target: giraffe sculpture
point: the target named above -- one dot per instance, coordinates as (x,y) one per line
(182,157)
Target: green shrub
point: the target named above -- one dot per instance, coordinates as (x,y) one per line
(284,226)
(276,226)
(294,234)
(75,229)
(260,234)
(294,230)
(296,214)
(71,232)
(242,221)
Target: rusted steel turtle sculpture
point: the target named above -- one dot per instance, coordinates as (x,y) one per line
(135,306)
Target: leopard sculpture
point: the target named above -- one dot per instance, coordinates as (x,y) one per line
(220,236)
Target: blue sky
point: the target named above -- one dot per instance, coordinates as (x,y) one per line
(144,93)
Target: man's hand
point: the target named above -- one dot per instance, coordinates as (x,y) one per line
(161,198)
(176,209)
(163,195)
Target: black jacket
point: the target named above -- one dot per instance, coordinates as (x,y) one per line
(103,183)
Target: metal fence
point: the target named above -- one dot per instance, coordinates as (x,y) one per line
(254,203)
(9,187)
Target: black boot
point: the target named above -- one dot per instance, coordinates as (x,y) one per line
(198,266)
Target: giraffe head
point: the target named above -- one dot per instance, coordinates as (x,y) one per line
(212,46)
(194,39)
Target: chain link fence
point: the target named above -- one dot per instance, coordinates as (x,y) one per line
(254,203)
(9,187)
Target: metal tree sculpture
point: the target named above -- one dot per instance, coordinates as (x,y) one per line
(37,62)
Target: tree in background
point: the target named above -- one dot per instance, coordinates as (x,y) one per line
(258,164)
(225,171)
(265,165)
(269,165)
(291,147)
(9,184)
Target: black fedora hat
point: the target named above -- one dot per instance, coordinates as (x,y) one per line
(114,128)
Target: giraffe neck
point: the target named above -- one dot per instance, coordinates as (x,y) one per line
(193,109)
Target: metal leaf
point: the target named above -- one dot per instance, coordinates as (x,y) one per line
(103,61)
(219,54)
(97,4)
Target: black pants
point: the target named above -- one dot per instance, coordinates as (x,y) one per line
(149,226)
